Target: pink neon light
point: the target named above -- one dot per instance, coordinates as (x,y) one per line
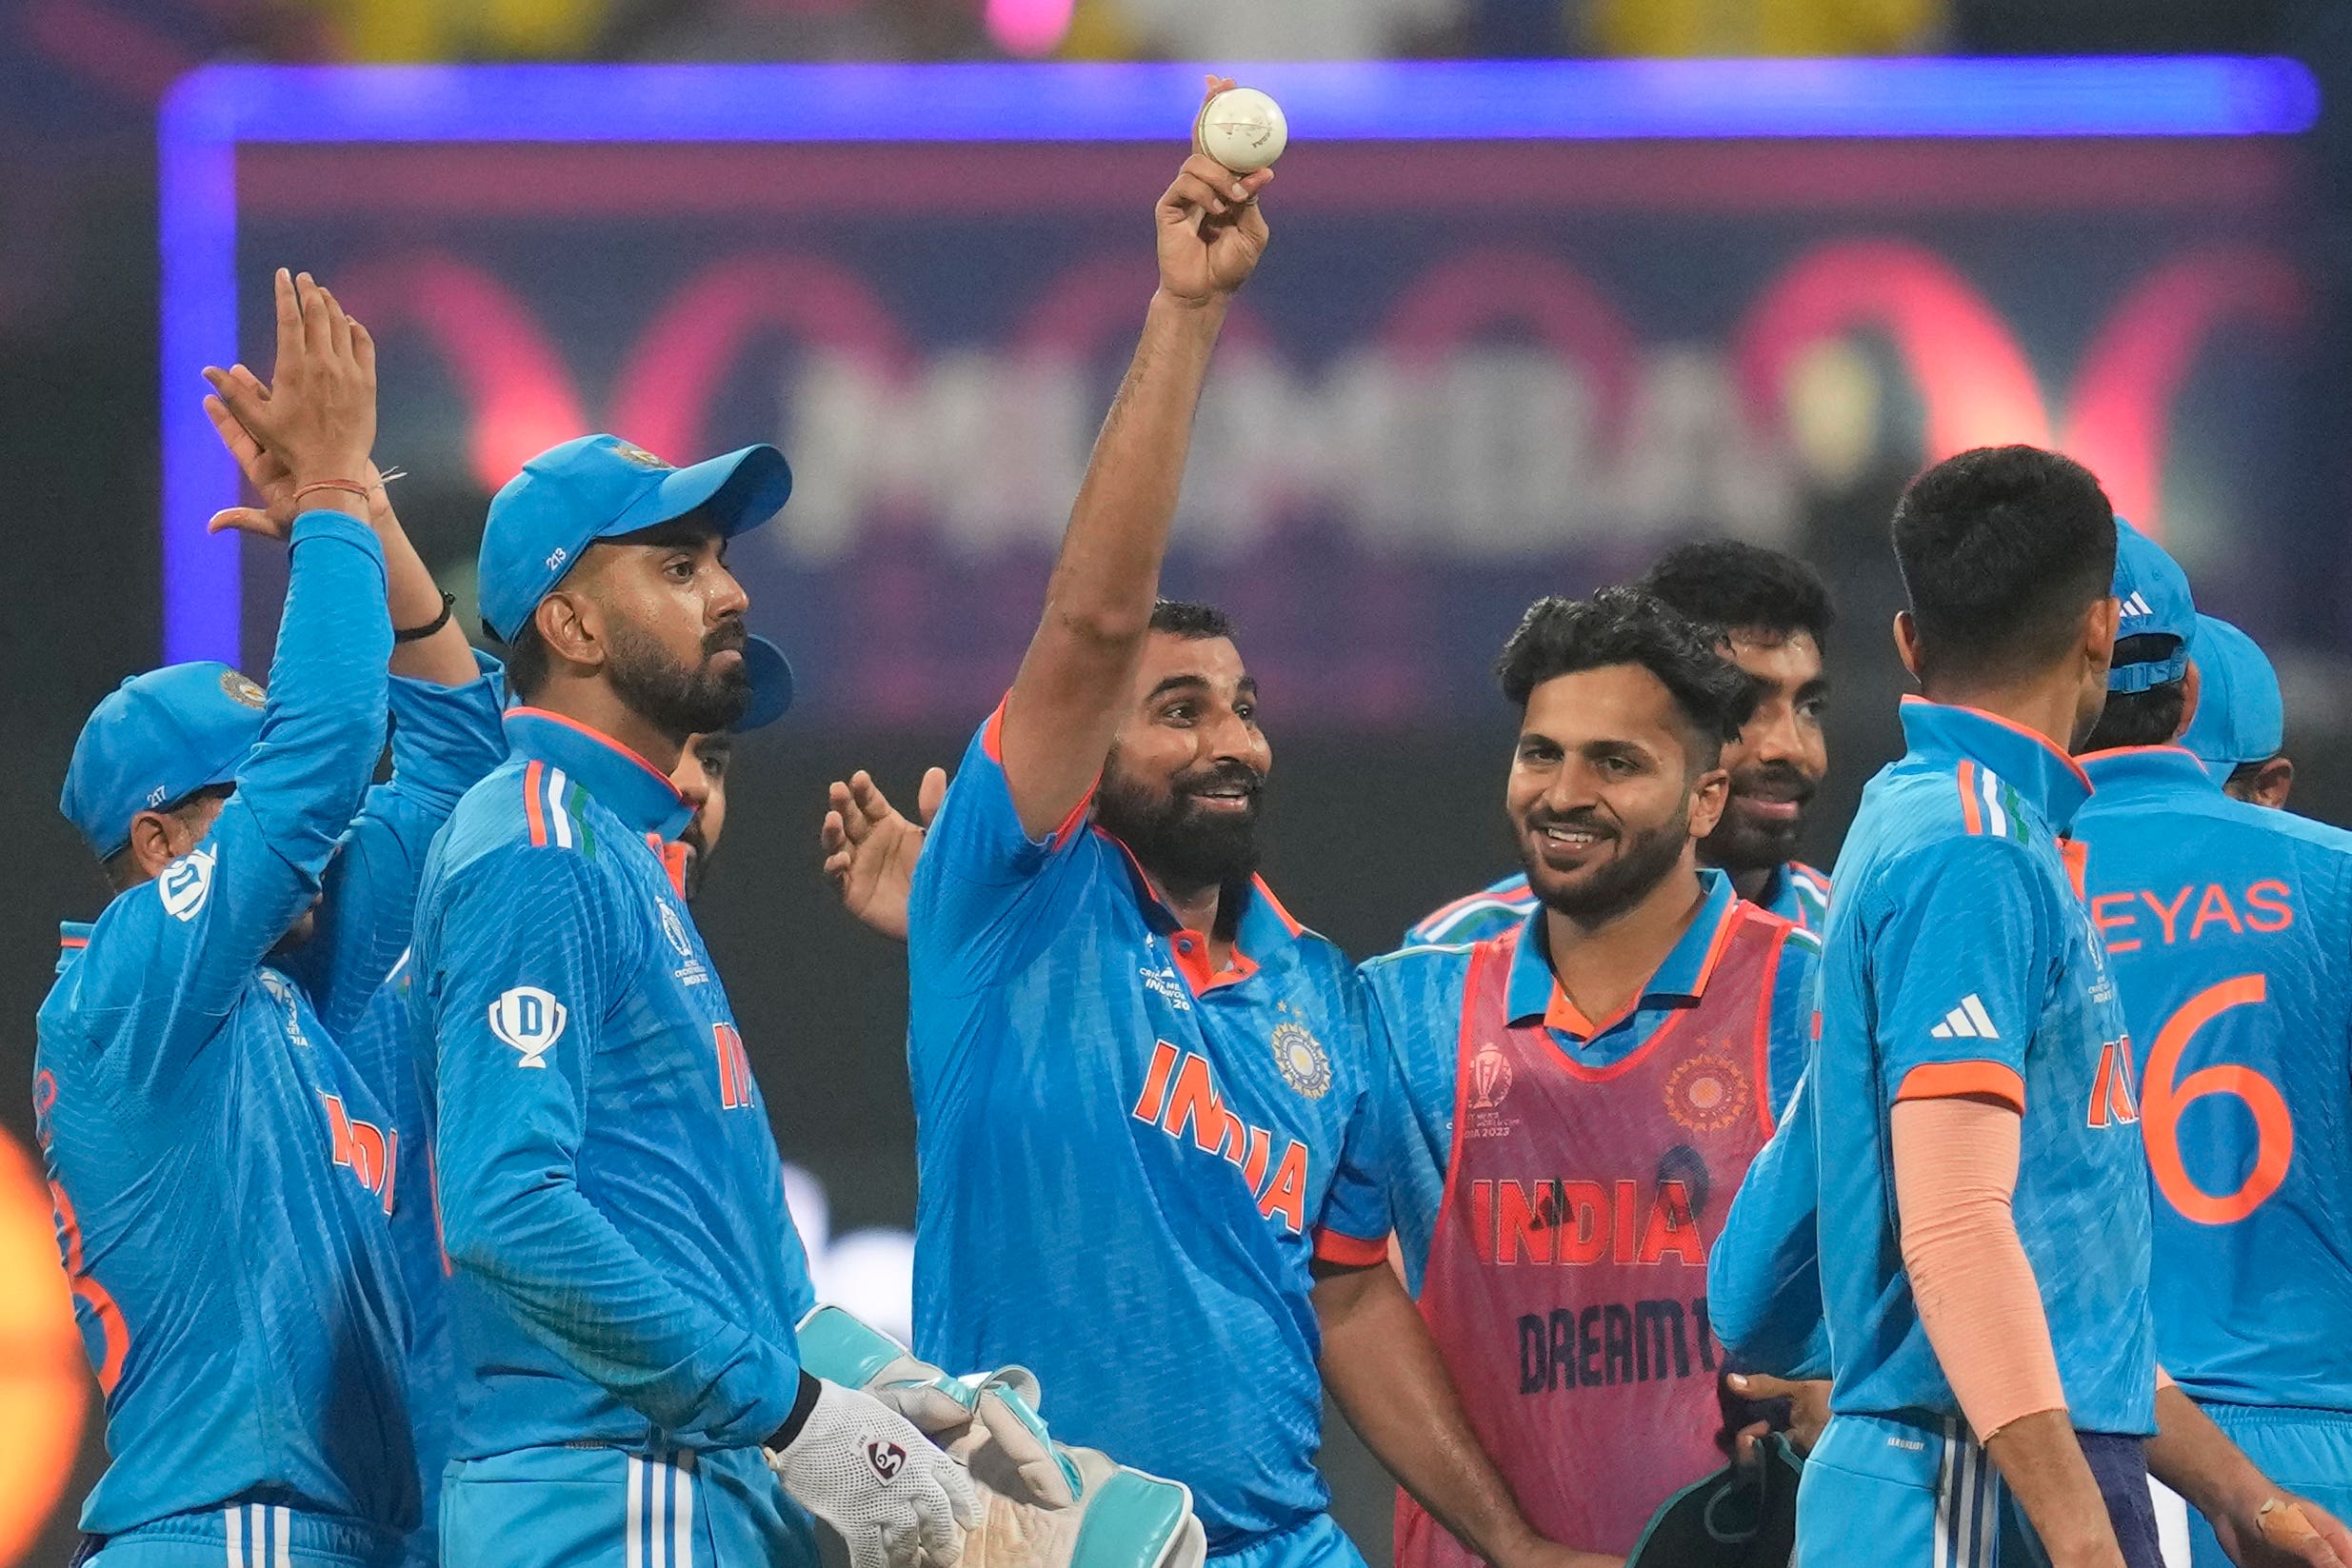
(1978,388)
(1459,299)
(2133,371)
(1029,28)
(517,387)
(662,396)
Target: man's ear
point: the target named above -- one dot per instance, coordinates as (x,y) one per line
(1906,644)
(154,842)
(1709,793)
(2272,785)
(2100,625)
(572,626)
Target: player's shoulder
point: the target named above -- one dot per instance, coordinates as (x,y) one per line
(521,805)
(1474,916)
(2320,840)
(1419,977)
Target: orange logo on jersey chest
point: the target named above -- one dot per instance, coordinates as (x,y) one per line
(1180,1098)
(1572,1223)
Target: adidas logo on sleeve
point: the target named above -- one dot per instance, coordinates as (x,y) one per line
(1969,1021)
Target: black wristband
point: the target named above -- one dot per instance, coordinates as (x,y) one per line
(802,1404)
(417,634)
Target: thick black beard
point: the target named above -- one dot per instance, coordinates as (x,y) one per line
(1182,845)
(677,701)
(1646,860)
(697,861)
(1735,848)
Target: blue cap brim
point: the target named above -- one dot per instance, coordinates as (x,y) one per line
(772,685)
(740,490)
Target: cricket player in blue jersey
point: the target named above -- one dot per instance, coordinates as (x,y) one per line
(1582,1094)
(1142,1088)
(378,1048)
(222,1173)
(625,1275)
(1776,616)
(2238,728)
(2230,931)
(1983,1213)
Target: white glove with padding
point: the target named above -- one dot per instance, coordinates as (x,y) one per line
(896,1499)
(1043,1504)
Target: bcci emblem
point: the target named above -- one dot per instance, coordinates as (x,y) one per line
(241,689)
(1707,1092)
(1300,1058)
(1490,1077)
(640,456)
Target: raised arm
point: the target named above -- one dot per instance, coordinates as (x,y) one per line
(1066,702)
(223,907)
(446,703)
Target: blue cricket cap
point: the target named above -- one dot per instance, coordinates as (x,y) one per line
(772,685)
(2154,592)
(154,740)
(601,487)
(2240,717)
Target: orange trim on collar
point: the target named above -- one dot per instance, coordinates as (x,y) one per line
(1563,1013)
(1190,950)
(1274,904)
(2076,854)
(2034,735)
(73,941)
(600,738)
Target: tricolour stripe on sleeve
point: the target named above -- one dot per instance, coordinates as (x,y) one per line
(533,812)
(559,820)
(1971,815)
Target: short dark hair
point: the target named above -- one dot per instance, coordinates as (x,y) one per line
(2151,717)
(1190,619)
(2002,549)
(1630,626)
(1735,586)
(530,661)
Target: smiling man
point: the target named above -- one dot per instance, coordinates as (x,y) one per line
(1582,1092)
(1772,615)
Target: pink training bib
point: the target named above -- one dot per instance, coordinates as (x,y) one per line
(1567,1278)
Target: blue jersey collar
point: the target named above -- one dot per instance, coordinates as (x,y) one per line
(1265,927)
(72,936)
(2047,778)
(1682,977)
(2144,770)
(621,782)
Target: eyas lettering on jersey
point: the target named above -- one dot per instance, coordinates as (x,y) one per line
(529,1020)
(1180,1098)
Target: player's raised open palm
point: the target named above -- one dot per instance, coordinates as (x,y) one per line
(316,419)
(870,849)
(1211,229)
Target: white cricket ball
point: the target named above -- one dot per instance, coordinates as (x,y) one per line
(1241,129)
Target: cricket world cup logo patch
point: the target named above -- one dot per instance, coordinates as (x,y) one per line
(529,1020)
(1301,1061)
(1490,1077)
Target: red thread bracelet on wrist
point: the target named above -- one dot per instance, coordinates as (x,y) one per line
(351,486)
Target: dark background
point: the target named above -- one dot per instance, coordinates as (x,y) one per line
(1368,826)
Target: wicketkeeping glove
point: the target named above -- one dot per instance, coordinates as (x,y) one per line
(891,1495)
(1043,1504)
